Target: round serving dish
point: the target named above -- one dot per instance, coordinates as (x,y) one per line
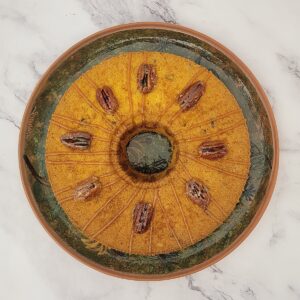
(172,39)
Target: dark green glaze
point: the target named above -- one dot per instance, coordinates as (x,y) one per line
(199,52)
(149,152)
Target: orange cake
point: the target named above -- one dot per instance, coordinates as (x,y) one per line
(147,153)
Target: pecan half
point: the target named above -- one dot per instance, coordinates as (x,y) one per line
(77,140)
(146,78)
(142,216)
(198,193)
(86,188)
(212,150)
(107,99)
(190,96)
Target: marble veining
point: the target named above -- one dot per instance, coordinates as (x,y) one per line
(291,64)
(263,34)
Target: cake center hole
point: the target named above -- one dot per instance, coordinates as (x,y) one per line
(149,152)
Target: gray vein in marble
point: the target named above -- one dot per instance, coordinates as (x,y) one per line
(277,235)
(248,294)
(196,288)
(294,291)
(33,68)
(16,16)
(108,12)
(148,291)
(224,295)
(216,269)
(12,15)
(162,10)
(119,12)
(247,17)
(20,94)
(291,64)
(4,116)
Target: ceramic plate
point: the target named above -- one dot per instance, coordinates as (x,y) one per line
(202,50)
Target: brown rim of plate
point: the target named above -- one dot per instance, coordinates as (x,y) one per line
(259,90)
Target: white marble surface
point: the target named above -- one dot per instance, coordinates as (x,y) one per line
(265,34)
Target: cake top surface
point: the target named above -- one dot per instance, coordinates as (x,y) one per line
(147,153)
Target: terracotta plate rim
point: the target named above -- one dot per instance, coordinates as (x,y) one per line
(275,163)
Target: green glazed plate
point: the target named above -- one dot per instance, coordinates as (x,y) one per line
(170,39)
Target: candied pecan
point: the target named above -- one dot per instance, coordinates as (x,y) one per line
(212,150)
(87,188)
(77,140)
(190,96)
(198,193)
(146,78)
(142,216)
(107,99)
